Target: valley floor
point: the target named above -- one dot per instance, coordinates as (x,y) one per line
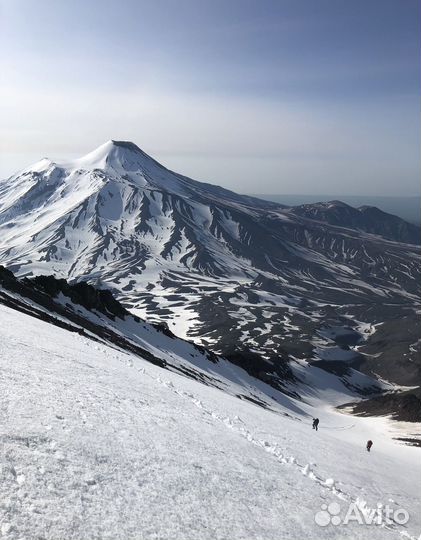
(98,444)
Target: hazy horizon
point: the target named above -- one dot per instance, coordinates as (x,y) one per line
(292,97)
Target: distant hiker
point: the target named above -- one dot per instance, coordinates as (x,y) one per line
(315,423)
(369,445)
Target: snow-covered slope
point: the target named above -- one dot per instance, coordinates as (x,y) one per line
(98,443)
(229,271)
(96,315)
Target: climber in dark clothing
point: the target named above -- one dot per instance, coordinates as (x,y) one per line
(369,445)
(315,423)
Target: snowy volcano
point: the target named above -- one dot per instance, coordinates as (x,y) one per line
(234,273)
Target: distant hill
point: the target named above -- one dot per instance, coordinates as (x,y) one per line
(408,208)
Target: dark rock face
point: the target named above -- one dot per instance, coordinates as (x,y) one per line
(404,406)
(6,276)
(80,293)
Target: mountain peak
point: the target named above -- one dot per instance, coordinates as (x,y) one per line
(114,154)
(128,145)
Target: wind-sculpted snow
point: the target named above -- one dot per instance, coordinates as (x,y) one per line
(229,271)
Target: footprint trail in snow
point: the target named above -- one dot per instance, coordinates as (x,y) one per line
(237,425)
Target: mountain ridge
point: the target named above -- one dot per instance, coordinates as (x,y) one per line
(366,218)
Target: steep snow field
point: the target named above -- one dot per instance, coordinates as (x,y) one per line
(96,443)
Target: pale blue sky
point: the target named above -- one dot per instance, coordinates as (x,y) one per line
(285,96)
